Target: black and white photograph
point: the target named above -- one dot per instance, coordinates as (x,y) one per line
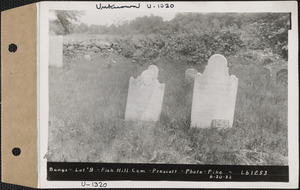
(168,88)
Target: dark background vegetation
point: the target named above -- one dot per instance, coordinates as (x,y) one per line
(88,97)
(194,36)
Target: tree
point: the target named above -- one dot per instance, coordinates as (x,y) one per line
(81,28)
(272,30)
(147,24)
(65,18)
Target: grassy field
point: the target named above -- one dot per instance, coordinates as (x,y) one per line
(87,108)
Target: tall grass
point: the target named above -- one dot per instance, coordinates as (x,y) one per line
(87,108)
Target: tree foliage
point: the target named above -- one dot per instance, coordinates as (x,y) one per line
(190,35)
(272,31)
(66,18)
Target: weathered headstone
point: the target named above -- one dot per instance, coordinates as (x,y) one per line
(145,96)
(55,51)
(190,75)
(154,69)
(214,95)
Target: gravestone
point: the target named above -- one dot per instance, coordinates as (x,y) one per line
(145,96)
(55,51)
(214,95)
(220,123)
(154,69)
(190,75)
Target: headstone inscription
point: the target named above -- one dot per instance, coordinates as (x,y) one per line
(145,96)
(214,95)
(55,51)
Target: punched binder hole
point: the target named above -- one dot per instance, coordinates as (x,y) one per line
(16,151)
(12,48)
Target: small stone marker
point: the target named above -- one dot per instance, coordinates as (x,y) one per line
(190,75)
(214,95)
(55,51)
(145,96)
(220,123)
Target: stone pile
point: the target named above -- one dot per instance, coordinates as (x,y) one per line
(80,50)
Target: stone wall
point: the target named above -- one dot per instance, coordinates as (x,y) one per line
(79,50)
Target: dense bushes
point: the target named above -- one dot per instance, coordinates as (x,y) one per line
(194,48)
(272,32)
(197,48)
(190,36)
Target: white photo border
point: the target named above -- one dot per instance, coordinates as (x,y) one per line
(238,7)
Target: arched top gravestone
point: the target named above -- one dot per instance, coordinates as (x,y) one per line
(216,63)
(145,96)
(217,69)
(147,78)
(214,94)
(154,69)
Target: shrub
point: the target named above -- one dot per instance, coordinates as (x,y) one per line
(192,48)
(124,46)
(196,48)
(272,32)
